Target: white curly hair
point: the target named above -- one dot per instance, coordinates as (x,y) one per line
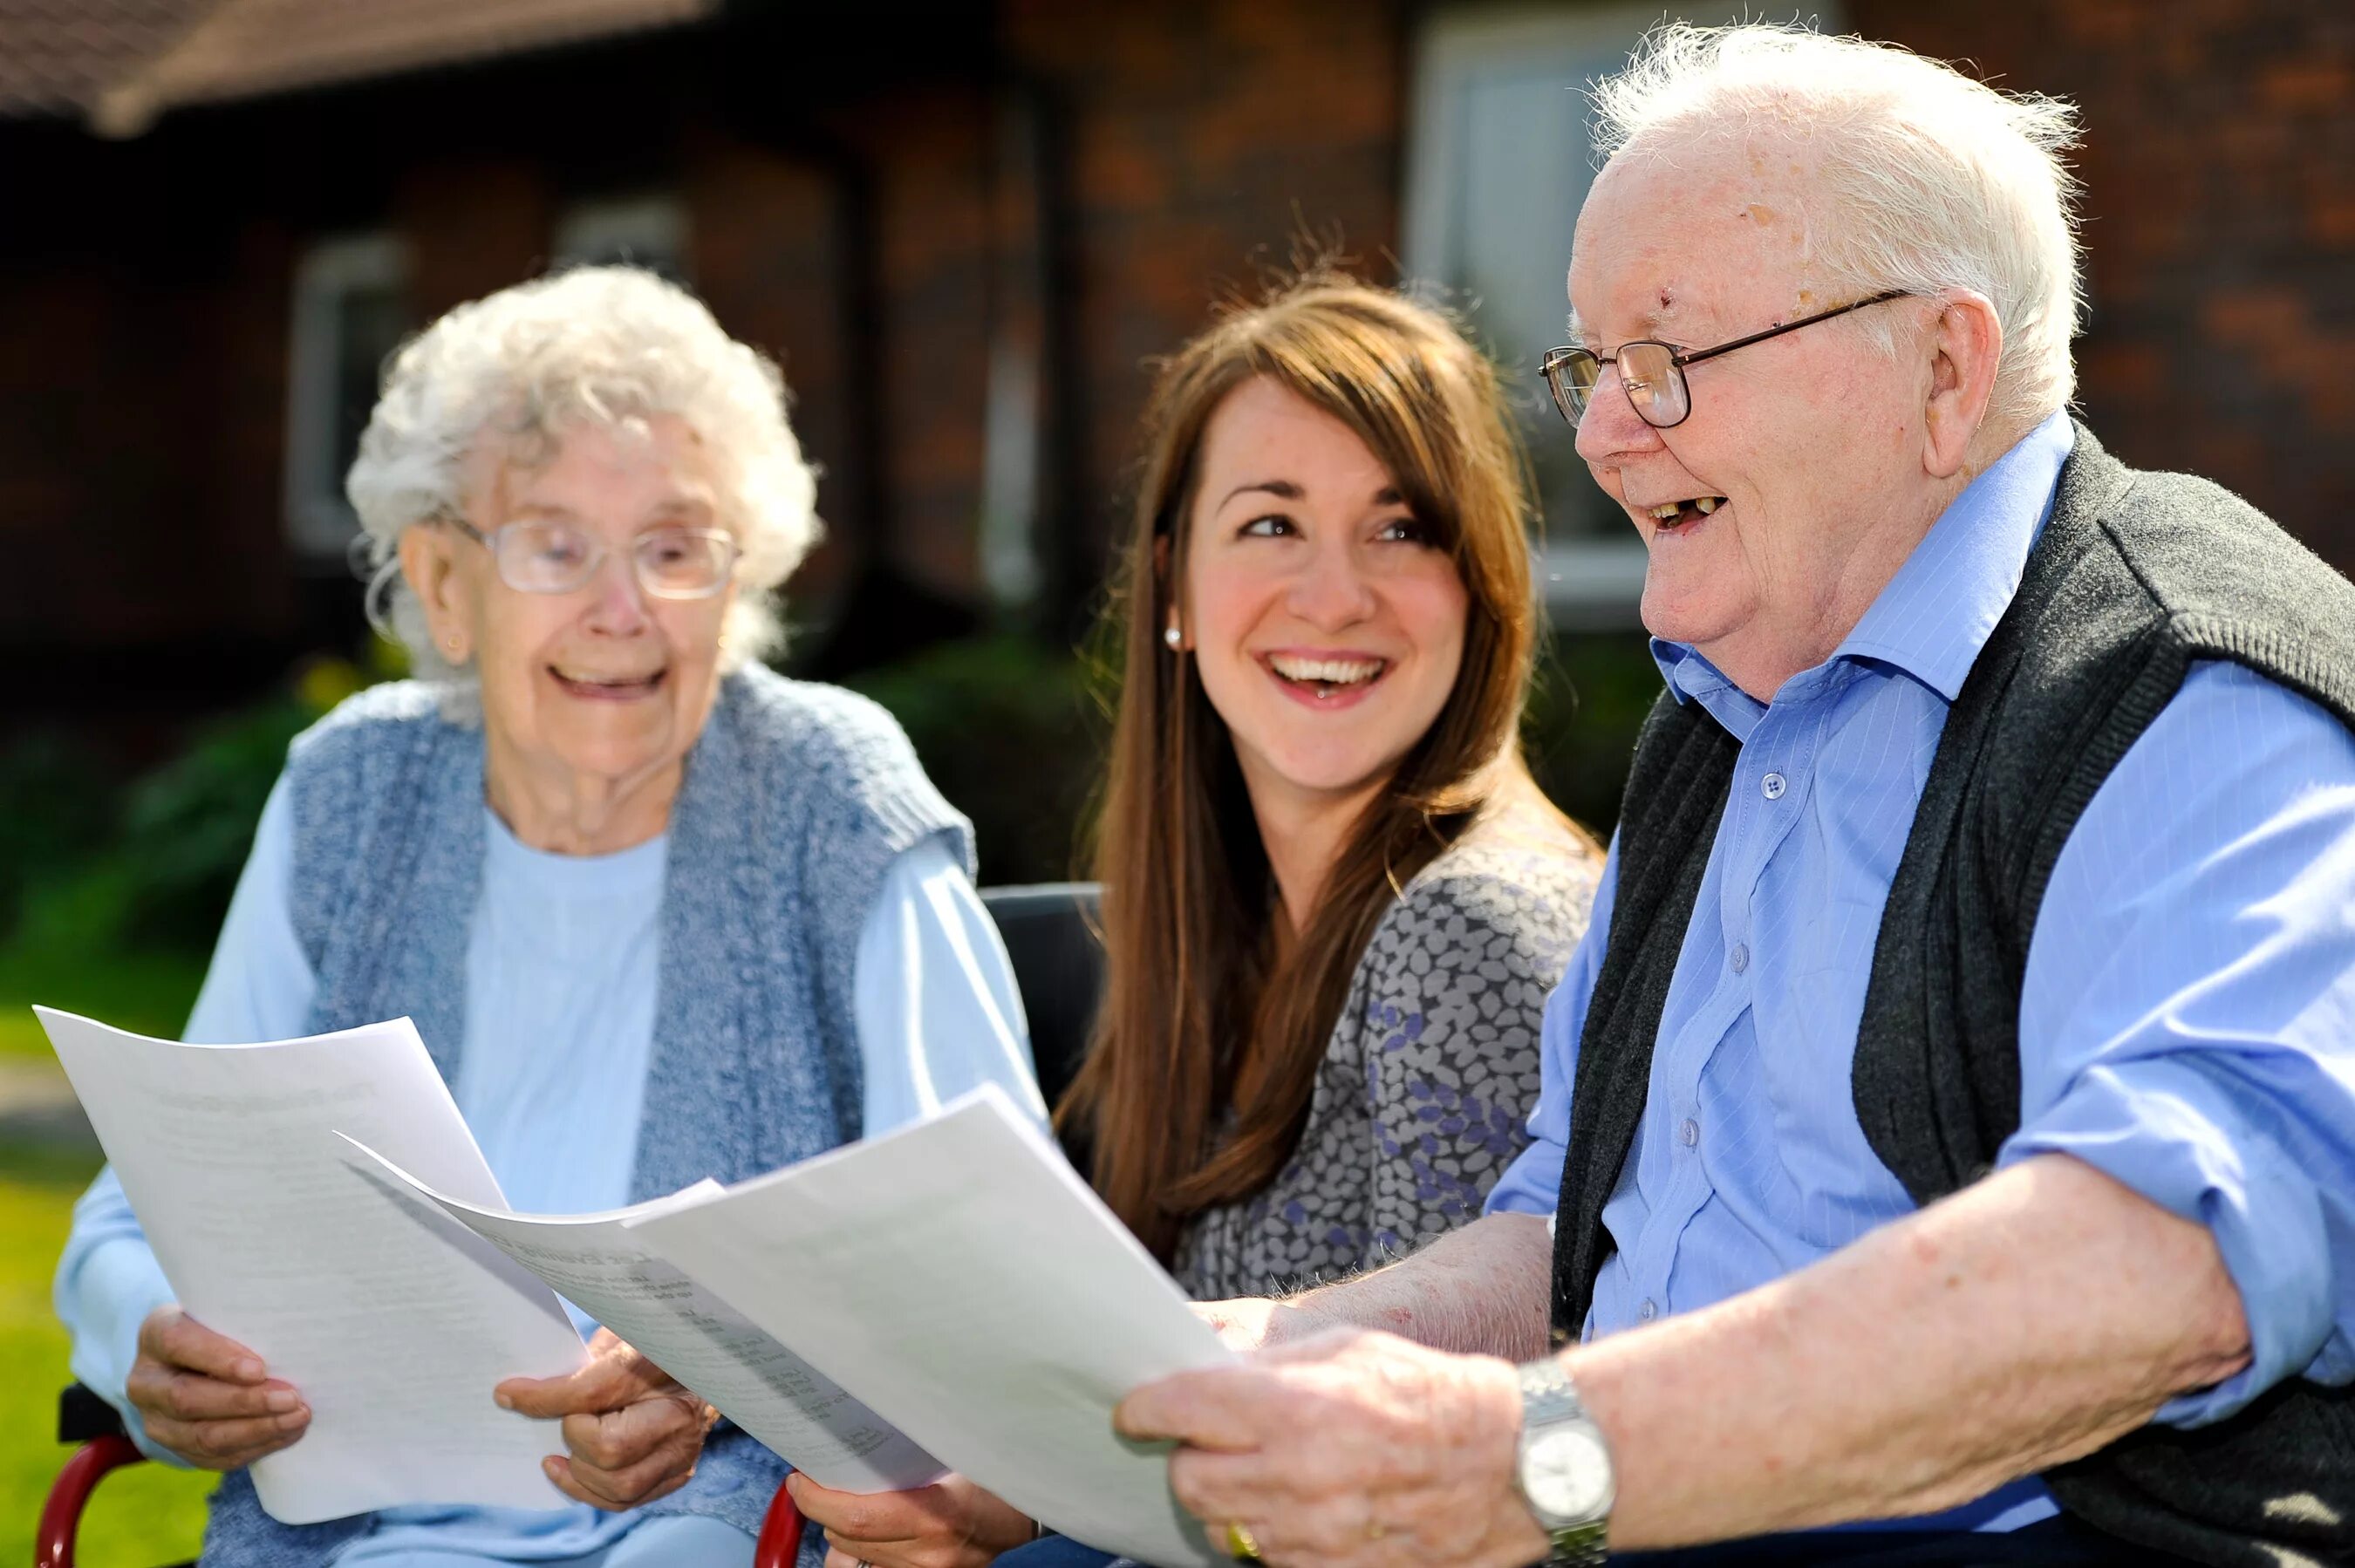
(603,346)
(1929,179)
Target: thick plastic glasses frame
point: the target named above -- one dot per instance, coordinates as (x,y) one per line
(1569,400)
(598,552)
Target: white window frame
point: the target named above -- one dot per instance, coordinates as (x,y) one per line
(1587,581)
(320,525)
(646,228)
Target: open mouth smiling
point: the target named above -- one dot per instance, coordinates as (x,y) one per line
(1670,515)
(608,688)
(1328,680)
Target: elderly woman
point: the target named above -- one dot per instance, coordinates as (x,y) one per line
(659,913)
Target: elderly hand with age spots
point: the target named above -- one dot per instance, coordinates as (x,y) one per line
(1349,1449)
(633,1431)
(951,1524)
(207,1398)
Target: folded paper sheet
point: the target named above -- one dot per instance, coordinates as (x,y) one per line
(395,1327)
(960,1278)
(602,1266)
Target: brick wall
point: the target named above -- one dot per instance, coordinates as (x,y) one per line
(1202,137)
(766,249)
(876,230)
(142,405)
(2219,167)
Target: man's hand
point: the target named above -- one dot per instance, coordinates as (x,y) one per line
(207,1398)
(1256,1323)
(951,1524)
(633,1432)
(1350,1449)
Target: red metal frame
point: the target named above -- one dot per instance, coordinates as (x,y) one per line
(780,1533)
(69,1493)
(779,1546)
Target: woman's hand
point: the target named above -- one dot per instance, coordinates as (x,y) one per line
(634,1433)
(207,1398)
(951,1524)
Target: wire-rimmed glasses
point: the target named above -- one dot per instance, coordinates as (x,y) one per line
(543,555)
(1653,374)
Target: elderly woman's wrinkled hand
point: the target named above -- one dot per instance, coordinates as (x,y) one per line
(1349,1449)
(633,1431)
(207,1398)
(951,1524)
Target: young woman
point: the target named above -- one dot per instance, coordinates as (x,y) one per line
(1334,901)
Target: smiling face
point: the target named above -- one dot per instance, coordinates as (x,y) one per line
(1784,501)
(1327,628)
(590,699)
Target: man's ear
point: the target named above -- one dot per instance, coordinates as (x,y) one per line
(1966,341)
(430,565)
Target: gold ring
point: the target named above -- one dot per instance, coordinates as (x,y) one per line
(1375,1528)
(1240,1546)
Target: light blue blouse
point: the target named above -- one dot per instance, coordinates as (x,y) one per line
(561,969)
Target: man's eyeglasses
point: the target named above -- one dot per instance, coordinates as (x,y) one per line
(540,556)
(1653,374)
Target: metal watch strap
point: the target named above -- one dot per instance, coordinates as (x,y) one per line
(1548,1396)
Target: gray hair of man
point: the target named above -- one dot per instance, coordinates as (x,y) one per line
(609,347)
(1922,179)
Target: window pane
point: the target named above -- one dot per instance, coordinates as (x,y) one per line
(1500,160)
(371,322)
(349,312)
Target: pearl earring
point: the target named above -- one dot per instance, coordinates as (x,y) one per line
(1173,636)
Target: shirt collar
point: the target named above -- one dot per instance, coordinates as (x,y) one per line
(1940,608)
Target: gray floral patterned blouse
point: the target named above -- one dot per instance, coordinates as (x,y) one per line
(1431,1071)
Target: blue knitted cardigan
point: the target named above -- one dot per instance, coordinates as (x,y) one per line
(797,798)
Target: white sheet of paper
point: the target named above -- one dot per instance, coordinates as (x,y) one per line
(598,1263)
(394,1321)
(960,1278)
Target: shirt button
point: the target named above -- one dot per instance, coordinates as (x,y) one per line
(1773,785)
(1740,958)
(1690,1133)
(1648,1311)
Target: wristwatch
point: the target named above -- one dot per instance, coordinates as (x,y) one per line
(1564,1467)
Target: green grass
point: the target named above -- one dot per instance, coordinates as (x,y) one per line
(149,1514)
(139,1518)
(147,992)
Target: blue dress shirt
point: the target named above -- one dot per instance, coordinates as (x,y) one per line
(2187,1019)
(561,966)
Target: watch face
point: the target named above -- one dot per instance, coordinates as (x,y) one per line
(1567,1475)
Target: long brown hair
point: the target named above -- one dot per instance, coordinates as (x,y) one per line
(1203,1011)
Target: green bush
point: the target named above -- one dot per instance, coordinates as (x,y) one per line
(1592,690)
(57,806)
(1010,732)
(1013,733)
(162,880)
(150,866)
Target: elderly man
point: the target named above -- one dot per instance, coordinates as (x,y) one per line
(1950,1117)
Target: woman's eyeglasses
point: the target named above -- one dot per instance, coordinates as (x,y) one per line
(541,555)
(1653,374)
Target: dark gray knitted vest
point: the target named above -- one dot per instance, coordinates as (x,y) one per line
(796,800)
(2136,576)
